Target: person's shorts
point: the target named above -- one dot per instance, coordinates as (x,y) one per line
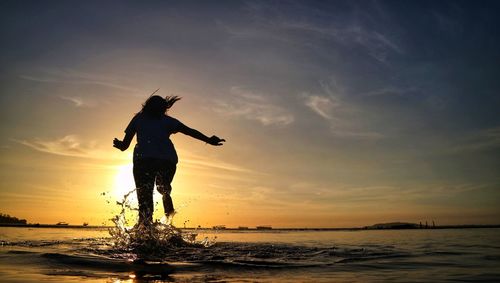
(148,171)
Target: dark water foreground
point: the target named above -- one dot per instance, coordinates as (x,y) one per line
(73,255)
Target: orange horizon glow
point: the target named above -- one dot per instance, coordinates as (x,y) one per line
(343,117)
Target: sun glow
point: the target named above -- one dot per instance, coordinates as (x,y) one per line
(124,180)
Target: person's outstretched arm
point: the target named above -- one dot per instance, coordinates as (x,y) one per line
(123,145)
(213,140)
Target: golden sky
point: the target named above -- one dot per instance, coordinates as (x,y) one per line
(335,115)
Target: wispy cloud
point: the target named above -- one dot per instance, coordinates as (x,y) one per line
(322,105)
(77,101)
(357,134)
(72,76)
(342,116)
(202,162)
(318,198)
(391,90)
(485,139)
(376,44)
(278,22)
(69,145)
(359,195)
(253,106)
(74,146)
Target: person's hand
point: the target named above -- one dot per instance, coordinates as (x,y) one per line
(119,144)
(215,140)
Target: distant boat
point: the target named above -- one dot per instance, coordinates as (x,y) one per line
(62,224)
(264,228)
(219,227)
(85,224)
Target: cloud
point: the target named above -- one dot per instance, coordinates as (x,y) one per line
(318,198)
(74,146)
(77,101)
(360,135)
(323,106)
(391,90)
(69,145)
(315,28)
(197,161)
(72,76)
(253,106)
(343,117)
(376,44)
(481,140)
(332,98)
(349,196)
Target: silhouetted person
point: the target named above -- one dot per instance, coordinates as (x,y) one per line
(155,157)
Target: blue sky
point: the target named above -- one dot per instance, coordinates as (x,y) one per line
(338,109)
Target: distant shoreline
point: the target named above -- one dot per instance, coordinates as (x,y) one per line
(50,226)
(467,226)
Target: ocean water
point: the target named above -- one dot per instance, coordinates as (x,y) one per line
(93,255)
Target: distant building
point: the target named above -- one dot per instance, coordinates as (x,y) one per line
(264,228)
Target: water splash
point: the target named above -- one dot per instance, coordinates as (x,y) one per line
(150,242)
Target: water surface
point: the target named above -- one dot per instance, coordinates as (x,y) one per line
(89,255)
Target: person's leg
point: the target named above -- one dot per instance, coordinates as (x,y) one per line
(163,184)
(144,176)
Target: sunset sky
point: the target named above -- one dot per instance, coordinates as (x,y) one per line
(336,113)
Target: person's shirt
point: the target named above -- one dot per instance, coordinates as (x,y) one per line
(153,136)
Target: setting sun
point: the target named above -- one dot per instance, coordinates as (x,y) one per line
(124,180)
